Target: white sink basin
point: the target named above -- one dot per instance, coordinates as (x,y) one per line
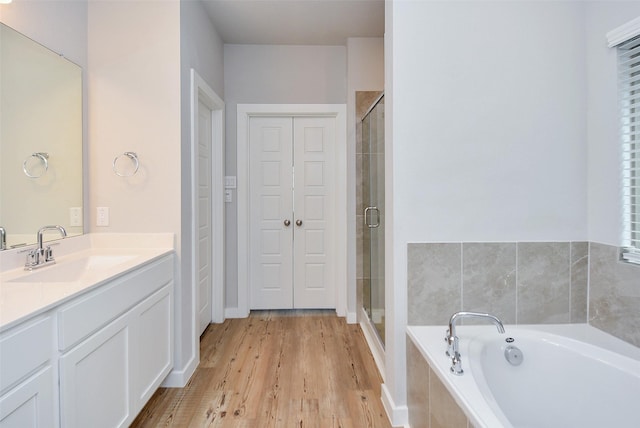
(73,270)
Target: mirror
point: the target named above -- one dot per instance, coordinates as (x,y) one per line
(40,140)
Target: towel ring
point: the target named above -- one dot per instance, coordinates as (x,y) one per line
(134,158)
(43,158)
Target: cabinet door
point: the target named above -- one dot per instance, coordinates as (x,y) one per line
(31,403)
(95,380)
(152,345)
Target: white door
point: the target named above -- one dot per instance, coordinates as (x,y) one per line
(204,256)
(291,201)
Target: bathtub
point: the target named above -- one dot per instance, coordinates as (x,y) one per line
(571,375)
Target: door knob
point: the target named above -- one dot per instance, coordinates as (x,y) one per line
(287,222)
(298,222)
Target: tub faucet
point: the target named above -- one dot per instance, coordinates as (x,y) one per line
(40,256)
(452,339)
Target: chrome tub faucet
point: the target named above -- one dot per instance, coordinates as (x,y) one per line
(41,256)
(452,340)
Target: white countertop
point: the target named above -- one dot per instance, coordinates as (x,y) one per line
(21,298)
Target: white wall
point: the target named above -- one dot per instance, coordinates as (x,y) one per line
(603,121)
(488,132)
(134,105)
(201,49)
(365,72)
(267,74)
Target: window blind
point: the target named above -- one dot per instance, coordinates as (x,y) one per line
(629,86)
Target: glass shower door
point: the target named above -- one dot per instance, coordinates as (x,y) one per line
(373,128)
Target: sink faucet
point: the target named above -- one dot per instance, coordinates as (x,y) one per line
(452,339)
(41,256)
(3,238)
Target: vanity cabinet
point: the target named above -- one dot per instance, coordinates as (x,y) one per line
(116,348)
(95,360)
(28,375)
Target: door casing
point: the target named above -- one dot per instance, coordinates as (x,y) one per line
(244,113)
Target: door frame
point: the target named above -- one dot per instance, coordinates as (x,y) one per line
(201,91)
(244,113)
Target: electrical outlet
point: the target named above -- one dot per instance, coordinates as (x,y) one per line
(75,216)
(102,216)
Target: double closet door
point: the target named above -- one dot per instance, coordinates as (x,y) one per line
(291,212)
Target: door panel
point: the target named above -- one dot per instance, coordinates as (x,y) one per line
(270,204)
(290,207)
(204,255)
(313,204)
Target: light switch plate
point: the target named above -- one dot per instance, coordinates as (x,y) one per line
(102,218)
(230,182)
(75,216)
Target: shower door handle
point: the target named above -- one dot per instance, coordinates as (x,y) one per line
(369,224)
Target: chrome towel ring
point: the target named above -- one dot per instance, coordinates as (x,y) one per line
(133,157)
(42,158)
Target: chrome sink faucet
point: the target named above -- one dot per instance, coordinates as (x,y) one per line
(41,256)
(452,340)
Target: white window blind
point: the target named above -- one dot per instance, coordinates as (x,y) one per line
(629,86)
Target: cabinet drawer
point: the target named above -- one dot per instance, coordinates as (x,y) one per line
(25,348)
(88,313)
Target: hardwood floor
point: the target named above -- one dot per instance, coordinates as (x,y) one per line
(276,369)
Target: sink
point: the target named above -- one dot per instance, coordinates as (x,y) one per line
(73,270)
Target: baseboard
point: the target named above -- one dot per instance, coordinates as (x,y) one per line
(235,313)
(398,415)
(179,378)
(352,318)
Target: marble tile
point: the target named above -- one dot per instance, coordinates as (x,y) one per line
(359,297)
(360,195)
(364,100)
(434,279)
(445,412)
(543,282)
(360,248)
(579,281)
(366,293)
(614,294)
(489,279)
(417,387)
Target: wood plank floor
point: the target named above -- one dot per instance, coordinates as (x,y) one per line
(276,369)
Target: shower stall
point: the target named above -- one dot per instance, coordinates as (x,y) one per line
(372,215)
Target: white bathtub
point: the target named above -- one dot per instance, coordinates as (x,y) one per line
(572,375)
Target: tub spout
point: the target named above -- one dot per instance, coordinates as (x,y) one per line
(452,339)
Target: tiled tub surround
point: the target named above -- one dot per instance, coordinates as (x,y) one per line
(430,403)
(523,283)
(614,294)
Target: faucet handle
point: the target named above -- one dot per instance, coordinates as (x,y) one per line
(33,259)
(48,254)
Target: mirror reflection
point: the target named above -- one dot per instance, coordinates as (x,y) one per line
(40,140)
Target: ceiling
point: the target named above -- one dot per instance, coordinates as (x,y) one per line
(295,22)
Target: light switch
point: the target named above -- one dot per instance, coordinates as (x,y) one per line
(228,195)
(230,182)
